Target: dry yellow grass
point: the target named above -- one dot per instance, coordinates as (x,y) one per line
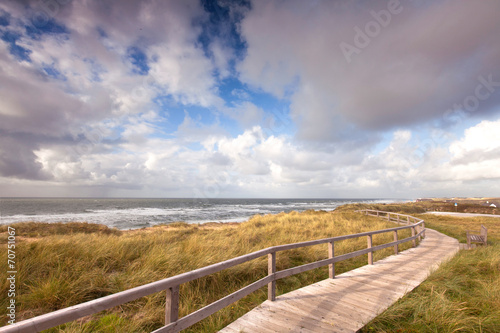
(59,268)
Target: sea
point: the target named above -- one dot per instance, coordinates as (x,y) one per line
(127,213)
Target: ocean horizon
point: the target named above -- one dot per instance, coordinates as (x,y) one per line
(134,213)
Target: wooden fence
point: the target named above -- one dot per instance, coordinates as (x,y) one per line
(171,285)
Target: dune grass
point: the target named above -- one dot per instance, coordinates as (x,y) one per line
(463,295)
(66,264)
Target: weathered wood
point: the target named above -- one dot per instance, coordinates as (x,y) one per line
(482,238)
(396,250)
(261,321)
(414,244)
(331,254)
(332,239)
(271,269)
(172,305)
(317,264)
(352,299)
(370,254)
(210,309)
(286,318)
(302,306)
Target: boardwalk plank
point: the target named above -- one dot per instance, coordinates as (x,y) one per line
(338,305)
(362,302)
(340,322)
(285,315)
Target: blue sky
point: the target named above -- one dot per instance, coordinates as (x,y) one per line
(326,99)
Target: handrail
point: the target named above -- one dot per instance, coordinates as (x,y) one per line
(171,284)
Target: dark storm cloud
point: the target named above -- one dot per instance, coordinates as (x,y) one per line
(379,65)
(17,160)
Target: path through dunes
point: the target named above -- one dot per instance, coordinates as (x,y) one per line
(350,300)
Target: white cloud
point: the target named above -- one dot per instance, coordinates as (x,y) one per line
(477,155)
(185,73)
(246,114)
(483,138)
(221,57)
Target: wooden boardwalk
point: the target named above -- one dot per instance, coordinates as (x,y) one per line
(351,300)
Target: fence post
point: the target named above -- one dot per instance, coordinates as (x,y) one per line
(398,218)
(331,254)
(407,219)
(413,235)
(377,213)
(271,269)
(172,305)
(423,228)
(370,254)
(396,251)
(388,216)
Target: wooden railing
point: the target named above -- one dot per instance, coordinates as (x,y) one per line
(395,217)
(171,285)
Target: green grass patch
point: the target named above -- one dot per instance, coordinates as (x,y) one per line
(462,295)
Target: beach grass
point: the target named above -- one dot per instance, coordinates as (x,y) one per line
(462,295)
(60,265)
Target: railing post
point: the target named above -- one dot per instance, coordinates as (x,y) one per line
(396,250)
(388,216)
(370,254)
(407,219)
(377,213)
(398,218)
(271,269)
(172,305)
(413,235)
(423,228)
(331,254)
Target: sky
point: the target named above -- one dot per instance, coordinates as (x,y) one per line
(245,99)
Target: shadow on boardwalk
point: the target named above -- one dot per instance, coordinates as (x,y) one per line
(352,299)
